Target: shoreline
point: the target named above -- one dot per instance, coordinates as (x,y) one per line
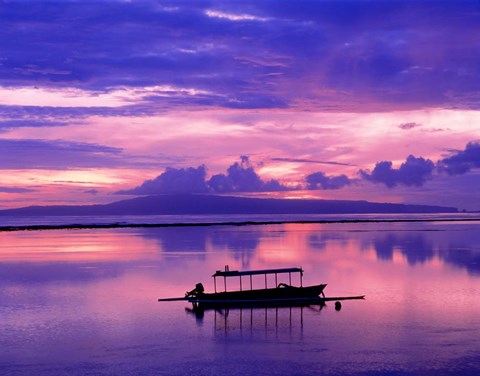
(74,226)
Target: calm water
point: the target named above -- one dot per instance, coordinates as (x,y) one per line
(84,302)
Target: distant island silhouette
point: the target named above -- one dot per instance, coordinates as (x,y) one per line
(193,204)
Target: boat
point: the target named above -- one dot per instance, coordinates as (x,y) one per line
(281,294)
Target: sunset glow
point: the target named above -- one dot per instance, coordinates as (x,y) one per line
(314,96)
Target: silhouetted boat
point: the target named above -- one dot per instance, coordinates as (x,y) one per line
(281,295)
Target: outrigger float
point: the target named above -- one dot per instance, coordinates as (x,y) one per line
(281,295)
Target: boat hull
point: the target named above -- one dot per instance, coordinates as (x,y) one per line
(279,296)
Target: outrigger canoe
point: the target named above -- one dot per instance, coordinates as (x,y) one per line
(282,294)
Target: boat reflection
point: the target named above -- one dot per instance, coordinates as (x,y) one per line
(241,319)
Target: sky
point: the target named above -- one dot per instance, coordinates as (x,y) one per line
(354,100)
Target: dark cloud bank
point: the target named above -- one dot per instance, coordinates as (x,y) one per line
(413,172)
(463,161)
(382,48)
(55,154)
(417,171)
(242,177)
(319,180)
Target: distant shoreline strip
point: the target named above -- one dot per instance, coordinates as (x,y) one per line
(226,223)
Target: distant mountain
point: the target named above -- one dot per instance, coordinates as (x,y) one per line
(207,204)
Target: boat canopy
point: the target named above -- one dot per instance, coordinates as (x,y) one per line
(236,273)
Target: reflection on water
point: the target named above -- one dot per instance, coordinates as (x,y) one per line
(262,314)
(84,302)
(242,321)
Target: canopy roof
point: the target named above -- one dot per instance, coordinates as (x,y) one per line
(236,273)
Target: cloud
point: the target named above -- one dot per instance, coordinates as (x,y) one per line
(173,180)
(15,190)
(389,51)
(234,17)
(301,160)
(64,114)
(253,100)
(240,177)
(7,124)
(413,172)
(407,126)
(462,161)
(416,171)
(319,180)
(56,154)
(133,48)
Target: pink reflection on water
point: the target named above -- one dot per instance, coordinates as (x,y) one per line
(74,246)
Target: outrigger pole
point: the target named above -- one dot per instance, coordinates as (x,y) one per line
(312,300)
(172,299)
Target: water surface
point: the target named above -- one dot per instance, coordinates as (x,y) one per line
(84,302)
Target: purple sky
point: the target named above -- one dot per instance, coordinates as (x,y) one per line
(372,100)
